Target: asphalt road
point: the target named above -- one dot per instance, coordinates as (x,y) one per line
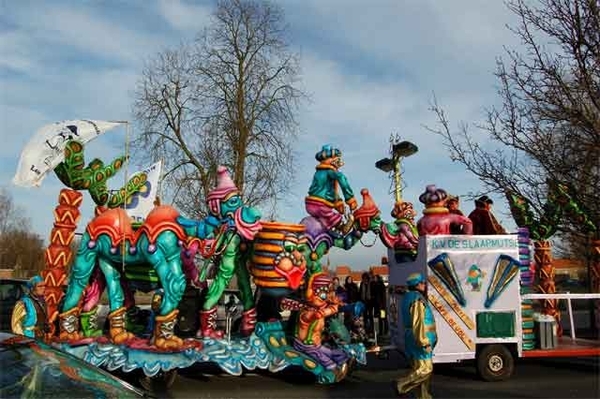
(534,378)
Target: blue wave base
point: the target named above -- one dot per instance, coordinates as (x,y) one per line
(265,349)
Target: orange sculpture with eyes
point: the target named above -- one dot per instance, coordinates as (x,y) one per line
(311,325)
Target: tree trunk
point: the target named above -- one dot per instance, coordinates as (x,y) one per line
(545,270)
(58,255)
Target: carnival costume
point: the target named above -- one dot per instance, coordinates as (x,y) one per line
(420,339)
(437,218)
(484,221)
(322,201)
(29,314)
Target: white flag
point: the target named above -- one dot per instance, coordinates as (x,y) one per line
(46,149)
(141,203)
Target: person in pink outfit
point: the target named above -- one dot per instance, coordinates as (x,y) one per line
(437,218)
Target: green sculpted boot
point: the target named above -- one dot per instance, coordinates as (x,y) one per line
(89,323)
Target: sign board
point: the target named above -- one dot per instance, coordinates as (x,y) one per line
(470,280)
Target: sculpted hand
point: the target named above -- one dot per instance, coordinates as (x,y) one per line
(352,203)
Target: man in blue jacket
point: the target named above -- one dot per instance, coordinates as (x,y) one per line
(29,314)
(420,338)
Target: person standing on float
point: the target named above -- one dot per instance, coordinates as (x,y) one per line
(420,338)
(323,201)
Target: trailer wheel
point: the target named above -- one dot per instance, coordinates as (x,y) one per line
(161,382)
(495,363)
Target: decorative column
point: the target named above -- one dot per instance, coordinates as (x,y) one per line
(545,269)
(527,278)
(59,253)
(595,280)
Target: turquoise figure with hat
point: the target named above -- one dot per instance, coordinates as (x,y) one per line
(323,201)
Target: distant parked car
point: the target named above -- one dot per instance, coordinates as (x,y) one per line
(11,290)
(34,369)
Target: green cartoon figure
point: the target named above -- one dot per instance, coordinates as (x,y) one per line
(474,278)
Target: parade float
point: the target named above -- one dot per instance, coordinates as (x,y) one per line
(167,254)
(483,289)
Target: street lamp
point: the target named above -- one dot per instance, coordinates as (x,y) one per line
(400,150)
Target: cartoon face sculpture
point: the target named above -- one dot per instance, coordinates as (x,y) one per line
(230,204)
(317,292)
(289,262)
(404,210)
(277,263)
(331,156)
(224,199)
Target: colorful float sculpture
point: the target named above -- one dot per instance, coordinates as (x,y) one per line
(560,203)
(117,255)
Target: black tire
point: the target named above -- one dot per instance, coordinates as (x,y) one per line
(495,363)
(161,382)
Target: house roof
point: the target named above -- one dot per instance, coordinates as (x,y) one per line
(568,263)
(343,270)
(356,276)
(380,270)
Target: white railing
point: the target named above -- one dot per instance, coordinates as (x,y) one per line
(568,296)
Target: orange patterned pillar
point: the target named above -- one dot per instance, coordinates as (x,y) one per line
(595,277)
(545,268)
(59,254)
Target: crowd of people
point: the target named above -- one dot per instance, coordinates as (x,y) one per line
(365,303)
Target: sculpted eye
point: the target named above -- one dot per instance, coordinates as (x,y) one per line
(289,247)
(234,201)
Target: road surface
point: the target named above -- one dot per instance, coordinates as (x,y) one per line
(535,378)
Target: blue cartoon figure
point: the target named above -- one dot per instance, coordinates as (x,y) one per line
(474,278)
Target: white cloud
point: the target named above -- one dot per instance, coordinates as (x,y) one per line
(184,16)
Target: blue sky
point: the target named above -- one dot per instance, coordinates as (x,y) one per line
(370,67)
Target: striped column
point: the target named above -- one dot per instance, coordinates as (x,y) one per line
(527,279)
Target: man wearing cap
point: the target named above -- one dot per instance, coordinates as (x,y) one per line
(323,201)
(484,222)
(420,338)
(29,313)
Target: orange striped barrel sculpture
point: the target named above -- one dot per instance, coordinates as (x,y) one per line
(277,263)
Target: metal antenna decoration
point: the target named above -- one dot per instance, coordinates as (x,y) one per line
(398,149)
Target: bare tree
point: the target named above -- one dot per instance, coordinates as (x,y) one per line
(548,125)
(228,98)
(20,248)
(11,216)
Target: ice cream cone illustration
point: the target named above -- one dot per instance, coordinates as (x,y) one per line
(443,268)
(505,270)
